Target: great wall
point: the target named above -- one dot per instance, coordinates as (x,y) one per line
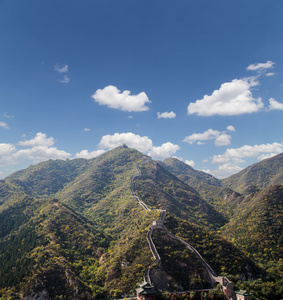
(226,285)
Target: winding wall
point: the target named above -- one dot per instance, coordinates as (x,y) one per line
(226,285)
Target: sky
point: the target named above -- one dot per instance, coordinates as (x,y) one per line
(199,80)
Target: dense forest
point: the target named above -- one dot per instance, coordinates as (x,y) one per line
(73,230)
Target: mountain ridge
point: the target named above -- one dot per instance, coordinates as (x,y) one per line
(91,228)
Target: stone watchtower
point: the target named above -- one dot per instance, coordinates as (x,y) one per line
(145,291)
(243,295)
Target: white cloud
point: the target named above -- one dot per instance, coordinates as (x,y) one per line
(266,155)
(220,159)
(164,151)
(270,74)
(223,140)
(41,153)
(260,66)
(141,143)
(233,98)
(231,128)
(132,140)
(4,125)
(40,139)
(112,97)
(273,104)
(61,68)
(236,155)
(190,163)
(88,155)
(66,79)
(6,149)
(225,170)
(86,129)
(229,161)
(166,115)
(209,134)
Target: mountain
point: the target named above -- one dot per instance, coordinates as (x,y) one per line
(257,224)
(188,174)
(161,189)
(73,230)
(47,178)
(257,176)
(40,245)
(208,187)
(255,203)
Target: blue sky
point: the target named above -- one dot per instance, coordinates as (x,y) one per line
(198,80)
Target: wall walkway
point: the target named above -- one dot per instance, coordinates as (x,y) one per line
(226,285)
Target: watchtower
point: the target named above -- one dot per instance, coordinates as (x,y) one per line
(145,291)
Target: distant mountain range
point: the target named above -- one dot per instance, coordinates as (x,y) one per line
(72,229)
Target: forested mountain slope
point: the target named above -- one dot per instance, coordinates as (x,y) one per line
(72,230)
(257,225)
(188,174)
(222,198)
(161,189)
(257,176)
(47,178)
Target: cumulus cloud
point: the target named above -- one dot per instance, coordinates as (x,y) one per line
(61,68)
(6,149)
(270,74)
(4,125)
(166,115)
(39,150)
(223,140)
(232,98)
(237,154)
(41,153)
(86,129)
(113,98)
(141,143)
(260,66)
(266,155)
(40,139)
(231,128)
(190,163)
(209,134)
(164,151)
(273,104)
(225,170)
(88,155)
